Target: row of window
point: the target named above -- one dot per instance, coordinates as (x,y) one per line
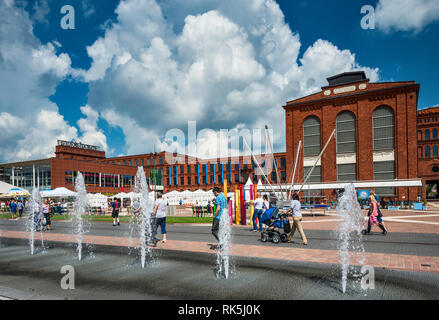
(138,162)
(382,127)
(427,135)
(91,179)
(205,179)
(427,120)
(430,151)
(217,167)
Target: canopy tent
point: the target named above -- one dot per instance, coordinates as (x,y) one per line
(57,193)
(15,193)
(97,200)
(5,187)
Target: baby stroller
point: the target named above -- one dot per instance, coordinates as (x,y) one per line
(278,227)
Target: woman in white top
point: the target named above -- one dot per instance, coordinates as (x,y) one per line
(297,219)
(266,203)
(160,216)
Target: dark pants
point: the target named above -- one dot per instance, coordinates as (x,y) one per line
(115,214)
(20,212)
(369,226)
(160,222)
(257,214)
(47,216)
(215,228)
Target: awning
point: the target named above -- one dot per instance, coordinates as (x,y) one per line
(341,185)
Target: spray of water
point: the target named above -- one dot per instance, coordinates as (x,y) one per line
(146,231)
(349,231)
(80,208)
(34,211)
(224,235)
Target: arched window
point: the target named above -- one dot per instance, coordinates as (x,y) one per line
(435,151)
(383,128)
(434,131)
(427,134)
(427,151)
(346,132)
(311,136)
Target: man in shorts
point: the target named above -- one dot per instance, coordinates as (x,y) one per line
(115,205)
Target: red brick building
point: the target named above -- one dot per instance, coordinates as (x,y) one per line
(375,138)
(116,174)
(428,158)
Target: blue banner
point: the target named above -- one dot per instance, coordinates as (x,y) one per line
(363,194)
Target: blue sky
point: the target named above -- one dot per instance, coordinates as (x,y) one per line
(125,120)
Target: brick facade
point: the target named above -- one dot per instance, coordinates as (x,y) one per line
(361,98)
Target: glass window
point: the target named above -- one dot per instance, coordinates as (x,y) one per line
(347,172)
(384,170)
(311,136)
(427,151)
(427,134)
(283,162)
(188,169)
(383,128)
(188,180)
(346,132)
(435,151)
(434,131)
(315,175)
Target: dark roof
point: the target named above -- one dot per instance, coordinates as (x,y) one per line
(346,77)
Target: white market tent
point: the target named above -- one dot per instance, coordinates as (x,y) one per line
(5,187)
(97,200)
(57,193)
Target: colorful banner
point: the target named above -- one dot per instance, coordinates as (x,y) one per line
(242,204)
(237,205)
(231,211)
(225,187)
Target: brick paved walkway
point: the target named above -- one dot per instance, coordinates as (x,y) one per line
(379,260)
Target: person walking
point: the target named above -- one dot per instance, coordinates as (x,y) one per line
(20,207)
(380,215)
(266,202)
(46,213)
(160,216)
(221,205)
(296,213)
(259,205)
(13,207)
(115,215)
(373,216)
